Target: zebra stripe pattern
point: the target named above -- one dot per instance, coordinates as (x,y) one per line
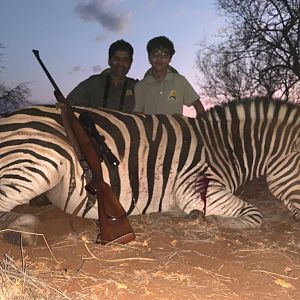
(165,161)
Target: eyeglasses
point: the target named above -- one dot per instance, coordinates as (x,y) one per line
(160,53)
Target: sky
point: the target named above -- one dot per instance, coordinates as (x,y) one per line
(73,37)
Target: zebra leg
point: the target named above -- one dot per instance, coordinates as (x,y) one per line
(18,185)
(218,205)
(229,211)
(283,182)
(16,224)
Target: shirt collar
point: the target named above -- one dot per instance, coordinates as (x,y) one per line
(170,74)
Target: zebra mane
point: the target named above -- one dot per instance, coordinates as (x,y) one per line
(265,104)
(247,102)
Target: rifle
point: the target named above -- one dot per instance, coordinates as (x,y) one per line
(113,223)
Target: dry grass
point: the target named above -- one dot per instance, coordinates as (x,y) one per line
(17,282)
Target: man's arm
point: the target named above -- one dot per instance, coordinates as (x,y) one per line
(190,95)
(198,107)
(79,96)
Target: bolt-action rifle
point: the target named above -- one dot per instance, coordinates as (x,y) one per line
(113,223)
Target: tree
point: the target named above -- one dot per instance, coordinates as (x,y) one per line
(262,44)
(224,76)
(12,98)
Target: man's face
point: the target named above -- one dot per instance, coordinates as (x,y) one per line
(120,63)
(159,59)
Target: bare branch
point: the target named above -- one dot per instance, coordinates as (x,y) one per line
(261,52)
(13,98)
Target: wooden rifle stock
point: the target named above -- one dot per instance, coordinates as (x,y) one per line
(114,225)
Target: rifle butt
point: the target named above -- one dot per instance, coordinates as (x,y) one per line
(113,229)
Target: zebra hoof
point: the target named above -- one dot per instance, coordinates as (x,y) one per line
(297,217)
(22,230)
(231,222)
(196,214)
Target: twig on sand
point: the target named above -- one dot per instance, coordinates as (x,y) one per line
(33,233)
(93,256)
(276,274)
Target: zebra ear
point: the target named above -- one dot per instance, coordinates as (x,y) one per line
(297,144)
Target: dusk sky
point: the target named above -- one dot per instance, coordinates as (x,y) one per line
(73,37)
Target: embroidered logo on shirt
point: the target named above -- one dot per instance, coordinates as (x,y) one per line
(128,93)
(172,95)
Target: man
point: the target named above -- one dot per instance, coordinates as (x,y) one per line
(111,89)
(163,90)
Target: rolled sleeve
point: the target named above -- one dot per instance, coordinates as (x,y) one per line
(78,96)
(190,95)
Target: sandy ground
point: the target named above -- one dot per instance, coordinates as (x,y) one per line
(172,258)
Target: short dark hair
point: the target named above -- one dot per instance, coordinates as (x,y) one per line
(161,42)
(120,45)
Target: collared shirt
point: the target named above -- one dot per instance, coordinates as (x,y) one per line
(91,93)
(167,97)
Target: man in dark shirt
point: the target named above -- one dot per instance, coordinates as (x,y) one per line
(110,89)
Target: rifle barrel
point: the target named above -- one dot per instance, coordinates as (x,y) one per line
(37,55)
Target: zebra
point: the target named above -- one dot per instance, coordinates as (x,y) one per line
(166,161)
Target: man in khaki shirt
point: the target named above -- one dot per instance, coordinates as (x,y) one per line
(163,90)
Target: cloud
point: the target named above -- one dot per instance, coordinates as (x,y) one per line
(80,69)
(99,11)
(102,36)
(97,69)
(76,69)
(180,11)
